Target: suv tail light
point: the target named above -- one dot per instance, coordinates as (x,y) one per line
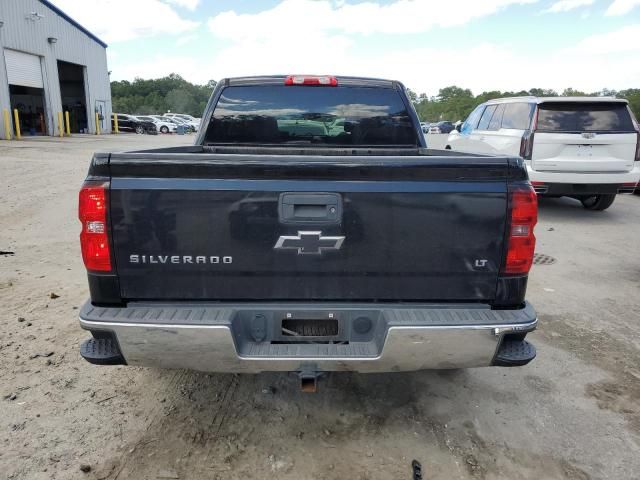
(636,125)
(318,80)
(92,211)
(521,241)
(526,143)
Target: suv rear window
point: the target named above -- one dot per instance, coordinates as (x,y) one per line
(331,116)
(584,117)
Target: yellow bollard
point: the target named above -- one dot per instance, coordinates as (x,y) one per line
(97,124)
(16,117)
(60,124)
(7,124)
(115,123)
(66,122)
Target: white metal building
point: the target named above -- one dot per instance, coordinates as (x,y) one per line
(48,64)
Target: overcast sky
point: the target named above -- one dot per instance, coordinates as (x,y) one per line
(477,44)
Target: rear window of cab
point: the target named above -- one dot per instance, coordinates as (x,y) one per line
(322,116)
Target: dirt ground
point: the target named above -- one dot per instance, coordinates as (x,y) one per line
(574,413)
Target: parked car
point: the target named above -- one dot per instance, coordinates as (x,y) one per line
(424,126)
(194,122)
(587,148)
(161,125)
(129,123)
(162,118)
(268,246)
(184,116)
(176,121)
(441,127)
(169,120)
(190,127)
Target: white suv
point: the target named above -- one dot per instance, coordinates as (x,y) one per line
(587,148)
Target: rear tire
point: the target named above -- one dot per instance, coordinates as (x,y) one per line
(139,129)
(164,129)
(598,202)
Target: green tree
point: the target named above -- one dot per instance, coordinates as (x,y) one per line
(454,103)
(633,96)
(543,92)
(180,100)
(570,92)
(157,96)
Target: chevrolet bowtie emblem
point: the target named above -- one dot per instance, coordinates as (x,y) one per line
(308,243)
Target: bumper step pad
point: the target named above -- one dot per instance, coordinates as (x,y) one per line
(514,353)
(101,351)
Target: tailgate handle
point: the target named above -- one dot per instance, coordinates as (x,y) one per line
(310,208)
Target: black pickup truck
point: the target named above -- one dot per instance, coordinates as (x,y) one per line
(309,229)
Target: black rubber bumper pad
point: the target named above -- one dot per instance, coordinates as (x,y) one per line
(514,353)
(101,351)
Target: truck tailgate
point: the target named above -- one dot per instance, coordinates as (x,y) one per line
(232,227)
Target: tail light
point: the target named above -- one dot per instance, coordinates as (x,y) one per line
(521,241)
(526,146)
(526,143)
(636,126)
(92,211)
(318,80)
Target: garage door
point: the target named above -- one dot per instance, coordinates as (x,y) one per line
(23,69)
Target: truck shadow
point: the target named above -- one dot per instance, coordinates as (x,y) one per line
(225,423)
(355,426)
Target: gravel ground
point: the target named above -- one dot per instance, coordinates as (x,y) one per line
(573,413)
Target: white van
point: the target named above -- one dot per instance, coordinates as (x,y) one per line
(587,148)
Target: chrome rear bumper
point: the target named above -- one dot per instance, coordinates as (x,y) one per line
(213,338)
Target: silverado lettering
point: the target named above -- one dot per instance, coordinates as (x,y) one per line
(179,259)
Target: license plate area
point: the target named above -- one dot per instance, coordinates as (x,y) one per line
(309,328)
(255,329)
(584,150)
(305,330)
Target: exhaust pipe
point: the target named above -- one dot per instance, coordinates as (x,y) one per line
(540,187)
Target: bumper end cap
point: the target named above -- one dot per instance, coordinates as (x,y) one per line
(101,351)
(514,353)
